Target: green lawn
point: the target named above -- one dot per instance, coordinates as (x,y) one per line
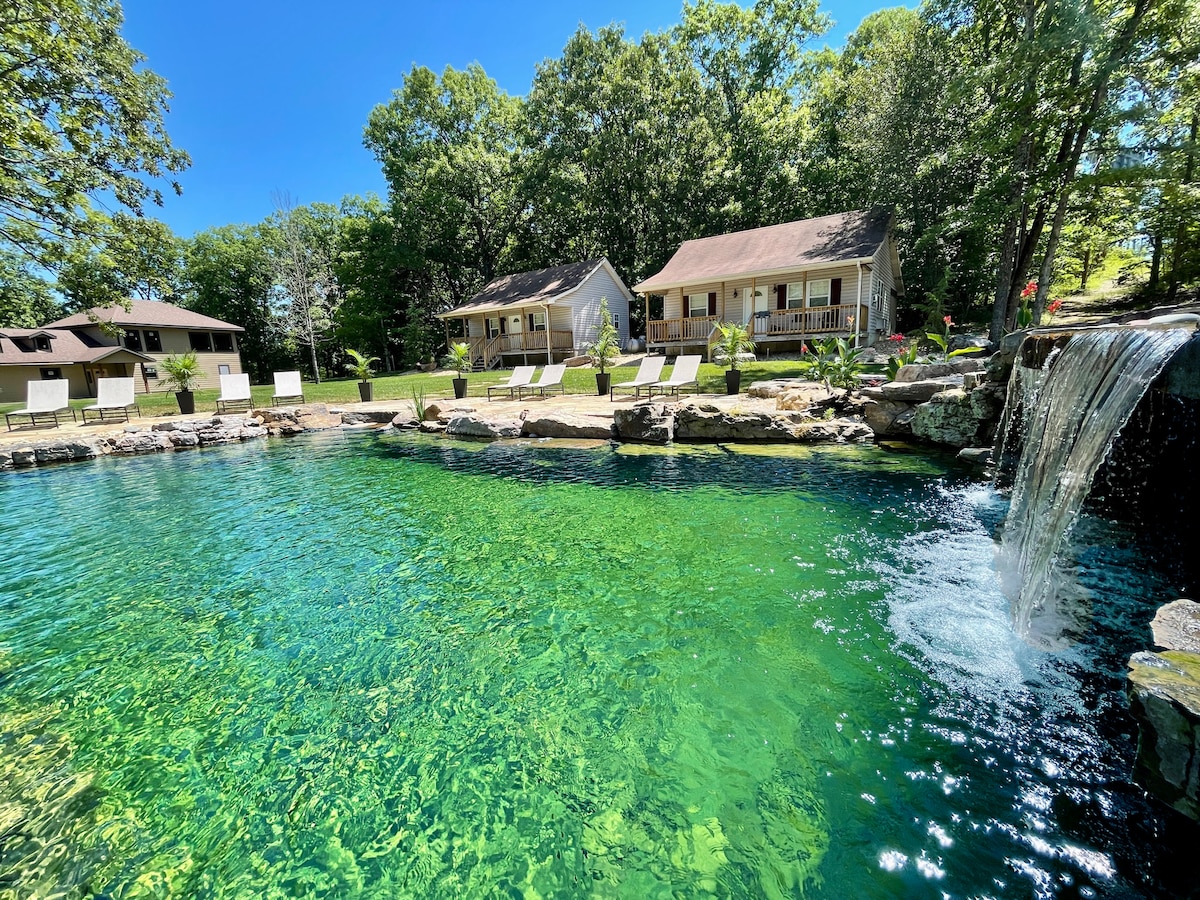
(434,387)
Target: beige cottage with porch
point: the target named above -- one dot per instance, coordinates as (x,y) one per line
(541,317)
(131,342)
(835,275)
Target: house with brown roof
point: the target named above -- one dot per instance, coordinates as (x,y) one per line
(547,315)
(835,276)
(81,350)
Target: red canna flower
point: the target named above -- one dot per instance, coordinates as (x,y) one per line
(949,322)
(897,338)
(1029,290)
(804,348)
(1055,306)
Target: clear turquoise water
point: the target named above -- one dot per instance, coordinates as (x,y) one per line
(346,665)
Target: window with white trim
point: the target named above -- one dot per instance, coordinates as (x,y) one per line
(878,293)
(795,295)
(491,326)
(539,321)
(818,292)
(616,320)
(697,304)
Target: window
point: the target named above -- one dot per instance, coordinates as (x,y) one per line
(223,369)
(616,320)
(223,342)
(818,292)
(41,342)
(878,294)
(201,341)
(51,374)
(697,304)
(153,342)
(537,321)
(133,340)
(795,294)
(491,327)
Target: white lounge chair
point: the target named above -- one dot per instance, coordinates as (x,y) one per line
(648,373)
(683,374)
(550,382)
(114,396)
(520,378)
(44,400)
(235,393)
(287,387)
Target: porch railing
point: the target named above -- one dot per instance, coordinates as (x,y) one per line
(810,320)
(689,330)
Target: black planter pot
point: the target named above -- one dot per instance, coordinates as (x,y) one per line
(602,381)
(187,402)
(366,391)
(460,388)
(733,381)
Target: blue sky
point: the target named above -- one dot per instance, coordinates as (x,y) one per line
(273,96)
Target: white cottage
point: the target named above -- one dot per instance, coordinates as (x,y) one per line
(541,316)
(835,275)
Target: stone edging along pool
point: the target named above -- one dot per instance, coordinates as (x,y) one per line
(813,414)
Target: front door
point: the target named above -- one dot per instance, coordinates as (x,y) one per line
(515,327)
(754,301)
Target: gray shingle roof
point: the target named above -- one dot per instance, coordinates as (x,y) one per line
(843,237)
(147,314)
(524,288)
(66,348)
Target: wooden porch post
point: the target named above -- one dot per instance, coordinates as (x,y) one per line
(723,317)
(858,303)
(550,336)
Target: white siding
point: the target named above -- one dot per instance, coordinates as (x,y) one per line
(580,311)
(884,322)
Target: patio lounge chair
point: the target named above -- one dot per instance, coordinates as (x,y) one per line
(550,381)
(114,396)
(44,400)
(235,393)
(648,373)
(520,378)
(684,373)
(287,387)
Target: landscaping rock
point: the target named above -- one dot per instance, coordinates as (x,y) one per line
(23,457)
(1164,698)
(700,421)
(768,390)
(153,441)
(365,416)
(1176,626)
(432,427)
(566,425)
(184,439)
(475,425)
(971,342)
(5,459)
(65,450)
(405,420)
(976,456)
(956,418)
(889,418)
(930,371)
(914,391)
(433,412)
(646,421)
(805,395)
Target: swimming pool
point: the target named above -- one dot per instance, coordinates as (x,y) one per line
(353,665)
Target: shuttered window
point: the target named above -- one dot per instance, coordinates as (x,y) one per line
(818,292)
(697,305)
(795,295)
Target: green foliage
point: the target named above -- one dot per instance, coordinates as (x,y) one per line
(81,116)
(183,371)
(906,357)
(459,358)
(360,365)
(607,344)
(25,299)
(734,339)
(418,402)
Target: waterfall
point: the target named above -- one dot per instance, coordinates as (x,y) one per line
(1074,414)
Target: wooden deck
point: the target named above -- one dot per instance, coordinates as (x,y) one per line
(768,326)
(492,350)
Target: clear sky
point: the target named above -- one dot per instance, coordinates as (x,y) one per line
(273,95)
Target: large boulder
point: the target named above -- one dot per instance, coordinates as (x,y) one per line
(914,391)
(65,451)
(890,418)
(476,425)
(154,441)
(929,371)
(769,390)
(649,422)
(1164,698)
(806,395)
(704,421)
(567,425)
(1176,626)
(958,418)
(1000,364)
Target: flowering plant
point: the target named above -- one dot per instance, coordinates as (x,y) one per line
(943,340)
(1024,313)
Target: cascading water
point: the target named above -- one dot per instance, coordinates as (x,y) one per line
(1089,392)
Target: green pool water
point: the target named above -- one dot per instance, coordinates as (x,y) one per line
(349,665)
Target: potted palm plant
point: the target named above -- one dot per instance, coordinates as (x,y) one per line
(360,367)
(605,348)
(182,374)
(459,359)
(734,340)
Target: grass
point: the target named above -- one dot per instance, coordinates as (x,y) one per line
(400,388)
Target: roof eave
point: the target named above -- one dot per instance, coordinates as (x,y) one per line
(650,286)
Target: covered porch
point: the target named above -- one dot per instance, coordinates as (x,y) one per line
(513,337)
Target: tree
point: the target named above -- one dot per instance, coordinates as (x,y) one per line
(25,299)
(80,116)
(302,249)
(229,274)
(129,257)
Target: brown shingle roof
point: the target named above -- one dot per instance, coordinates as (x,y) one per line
(844,237)
(66,348)
(147,314)
(524,288)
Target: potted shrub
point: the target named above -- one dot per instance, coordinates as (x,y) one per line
(459,359)
(182,374)
(734,340)
(360,367)
(605,348)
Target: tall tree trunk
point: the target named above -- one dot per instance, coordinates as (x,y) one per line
(1156,261)
(1047,272)
(1087,269)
